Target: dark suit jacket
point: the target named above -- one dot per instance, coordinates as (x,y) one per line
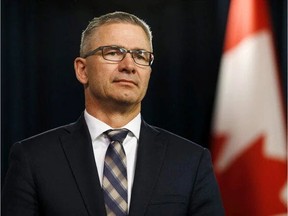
(55,174)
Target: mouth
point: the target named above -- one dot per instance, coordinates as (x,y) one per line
(125,81)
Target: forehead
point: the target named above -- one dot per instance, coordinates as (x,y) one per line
(122,34)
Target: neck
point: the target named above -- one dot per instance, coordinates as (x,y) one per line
(114,116)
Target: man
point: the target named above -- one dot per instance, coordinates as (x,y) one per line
(68,170)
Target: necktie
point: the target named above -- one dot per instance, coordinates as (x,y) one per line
(115,174)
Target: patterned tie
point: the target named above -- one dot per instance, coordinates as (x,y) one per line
(115,174)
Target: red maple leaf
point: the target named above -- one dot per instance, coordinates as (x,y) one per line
(252,184)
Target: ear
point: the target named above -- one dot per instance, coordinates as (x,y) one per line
(80,70)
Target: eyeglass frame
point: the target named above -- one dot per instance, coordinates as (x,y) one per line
(101,48)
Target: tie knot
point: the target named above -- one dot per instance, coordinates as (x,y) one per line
(117,134)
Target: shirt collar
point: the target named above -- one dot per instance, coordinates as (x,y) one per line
(97,127)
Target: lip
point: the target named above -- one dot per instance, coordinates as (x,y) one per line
(125,81)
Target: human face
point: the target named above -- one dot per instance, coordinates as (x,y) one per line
(107,82)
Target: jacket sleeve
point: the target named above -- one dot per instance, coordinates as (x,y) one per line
(19,195)
(206,198)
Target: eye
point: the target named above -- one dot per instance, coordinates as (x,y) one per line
(141,55)
(112,52)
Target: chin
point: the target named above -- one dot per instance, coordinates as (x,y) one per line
(127,101)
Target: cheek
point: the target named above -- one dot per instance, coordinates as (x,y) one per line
(97,74)
(146,78)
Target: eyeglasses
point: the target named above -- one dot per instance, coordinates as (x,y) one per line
(117,54)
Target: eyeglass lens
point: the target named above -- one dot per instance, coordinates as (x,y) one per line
(117,54)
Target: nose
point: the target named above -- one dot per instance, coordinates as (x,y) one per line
(127,64)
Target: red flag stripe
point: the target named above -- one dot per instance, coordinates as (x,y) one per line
(253,14)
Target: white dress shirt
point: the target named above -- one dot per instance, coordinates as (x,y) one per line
(100,144)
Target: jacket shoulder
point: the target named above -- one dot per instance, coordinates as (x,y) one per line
(50,138)
(177,142)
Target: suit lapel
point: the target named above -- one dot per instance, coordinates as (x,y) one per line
(78,149)
(150,156)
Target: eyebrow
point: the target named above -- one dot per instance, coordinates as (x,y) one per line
(127,48)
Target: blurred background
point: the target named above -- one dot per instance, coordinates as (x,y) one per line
(40,40)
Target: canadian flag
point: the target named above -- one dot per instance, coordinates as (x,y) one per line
(249,133)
